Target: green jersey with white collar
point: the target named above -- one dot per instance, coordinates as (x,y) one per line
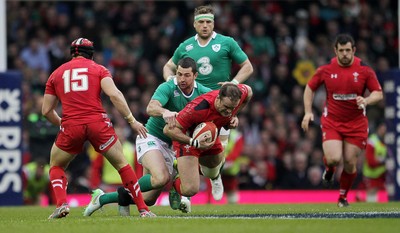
(214,60)
(172,98)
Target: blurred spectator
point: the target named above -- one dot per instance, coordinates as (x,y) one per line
(35,55)
(374,166)
(36,181)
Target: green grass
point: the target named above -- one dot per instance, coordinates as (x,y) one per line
(204,219)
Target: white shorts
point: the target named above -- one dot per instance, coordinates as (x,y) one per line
(143,145)
(224,132)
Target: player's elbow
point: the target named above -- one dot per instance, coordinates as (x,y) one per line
(166,130)
(116,95)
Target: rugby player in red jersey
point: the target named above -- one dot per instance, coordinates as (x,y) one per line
(77,84)
(344,123)
(219,106)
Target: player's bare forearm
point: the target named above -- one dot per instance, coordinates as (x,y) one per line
(155,109)
(308,99)
(169,69)
(374,98)
(53,118)
(176,134)
(50,103)
(120,103)
(245,71)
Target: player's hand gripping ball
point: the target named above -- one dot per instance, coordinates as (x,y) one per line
(206,128)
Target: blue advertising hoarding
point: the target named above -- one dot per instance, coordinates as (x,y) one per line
(391,88)
(11,187)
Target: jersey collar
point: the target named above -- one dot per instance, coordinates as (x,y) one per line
(214,34)
(176,83)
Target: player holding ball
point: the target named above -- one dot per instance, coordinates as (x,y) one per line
(220,107)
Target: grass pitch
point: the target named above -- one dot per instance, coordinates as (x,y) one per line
(309,218)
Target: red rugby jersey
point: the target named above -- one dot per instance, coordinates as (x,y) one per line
(202,109)
(343,85)
(77,85)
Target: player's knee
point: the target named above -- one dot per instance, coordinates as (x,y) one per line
(150,201)
(190,190)
(160,180)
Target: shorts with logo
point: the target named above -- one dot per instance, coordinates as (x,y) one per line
(354,132)
(100,134)
(144,145)
(182,149)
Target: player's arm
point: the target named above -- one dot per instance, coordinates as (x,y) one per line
(155,109)
(48,109)
(118,100)
(308,114)
(248,98)
(246,69)
(372,99)
(176,134)
(169,70)
(234,122)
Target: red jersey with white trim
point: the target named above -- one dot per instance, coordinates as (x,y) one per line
(77,85)
(202,109)
(343,85)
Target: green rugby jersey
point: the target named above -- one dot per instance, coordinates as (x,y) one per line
(173,99)
(214,60)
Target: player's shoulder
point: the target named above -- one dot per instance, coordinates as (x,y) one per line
(223,38)
(188,41)
(168,85)
(201,88)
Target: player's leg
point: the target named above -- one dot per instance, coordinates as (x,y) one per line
(188,182)
(59,161)
(210,167)
(349,172)
(332,156)
(129,180)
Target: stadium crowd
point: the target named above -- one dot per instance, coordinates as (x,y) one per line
(285,41)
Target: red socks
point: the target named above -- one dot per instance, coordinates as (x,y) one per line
(177,185)
(130,182)
(59,184)
(346,181)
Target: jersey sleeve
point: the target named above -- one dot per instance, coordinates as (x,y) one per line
(372,81)
(236,53)
(186,117)
(104,72)
(50,89)
(316,79)
(202,89)
(178,54)
(163,92)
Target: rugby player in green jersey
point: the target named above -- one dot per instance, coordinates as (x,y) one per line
(214,54)
(154,152)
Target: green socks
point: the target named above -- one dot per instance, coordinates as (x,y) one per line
(145,183)
(108,198)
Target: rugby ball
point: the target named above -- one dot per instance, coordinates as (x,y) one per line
(206,128)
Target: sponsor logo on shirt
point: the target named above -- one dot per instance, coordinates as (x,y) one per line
(344,96)
(189,47)
(333,75)
(216,47)
(102,147)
